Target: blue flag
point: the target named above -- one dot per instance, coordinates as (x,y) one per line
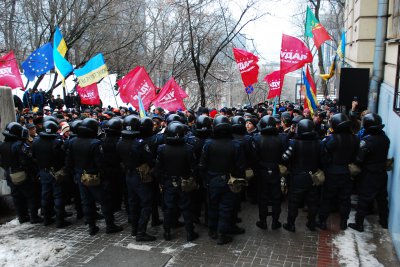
(39,62)
(249,89)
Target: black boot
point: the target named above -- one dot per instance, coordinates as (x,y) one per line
(356,226)
(23,218)
(34,218)
(144,237)
(134,231)
(289,227)
(167,234)
(61,223)
(223,239)
(113,228)
(276,224)
(322,225)
(311,226)
(262,224)
(212,234)
(93,229)
(192,235)
(343,224)
(156,222)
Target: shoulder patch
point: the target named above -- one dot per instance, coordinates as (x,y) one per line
(147,148)
(101,149)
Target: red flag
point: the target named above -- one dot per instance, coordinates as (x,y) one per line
(170,97)
(320,35)
(312,85)
(137,81)
(248,66)
(274,82)
(294,54)
(9,72)
(89,95)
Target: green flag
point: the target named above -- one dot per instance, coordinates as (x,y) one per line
(315,30)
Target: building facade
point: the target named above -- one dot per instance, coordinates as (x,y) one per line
(364,21)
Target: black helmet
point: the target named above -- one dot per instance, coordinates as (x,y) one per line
(268,124)
(89,127)
(305,127)
(173,117)
(286,118)
(131,125)
(238,125)
(203,123)
(277,118)
(175,132)
(146,126)
(113,126)
(297,119)
(50,118)
(222,126)
(50,128)
(372,122)
(340,121)
(15,130)
(73,126)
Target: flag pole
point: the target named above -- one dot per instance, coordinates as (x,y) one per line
(248,97)
(112,90)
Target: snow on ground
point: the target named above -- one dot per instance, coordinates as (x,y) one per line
(139,247)
(356,249)
(15,251)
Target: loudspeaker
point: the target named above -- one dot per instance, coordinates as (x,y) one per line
(354,82)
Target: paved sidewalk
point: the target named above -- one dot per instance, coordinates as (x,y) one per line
(48,246)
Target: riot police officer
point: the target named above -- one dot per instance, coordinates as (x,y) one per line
(111,165)
(339,150)
(175,161)
(303,157)
(220,159)
(372,183)
(270,146)
(137,159)
(85,158)
(49,153)
(15,157)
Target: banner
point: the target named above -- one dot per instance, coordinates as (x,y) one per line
(315,29)
(310,92)
(93,71)
(136,82)
(294,55)
(170,97)
(39,62)
(89,95)
(274,83)
(9,72)
(247,63)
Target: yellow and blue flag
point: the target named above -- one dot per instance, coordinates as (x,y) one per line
(310,96)
(142,111)
(341,50)
(39,62)
(62,66)
(93,71)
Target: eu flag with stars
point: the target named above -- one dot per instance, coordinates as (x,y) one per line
(39,62)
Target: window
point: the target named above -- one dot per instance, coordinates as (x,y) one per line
(396,103)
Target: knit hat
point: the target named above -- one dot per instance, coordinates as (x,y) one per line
(65,128)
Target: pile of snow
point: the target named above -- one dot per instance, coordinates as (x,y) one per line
(356,249)
(15,251)
(139,247)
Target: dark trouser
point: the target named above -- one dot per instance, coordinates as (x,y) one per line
(116,178)
(140,198)
(269,189)
(336,186)
(24,197)
(155,216)
(372,186)
(89,196)
(198,200)
(51,191)
(220,206)
(301,190)
(175,198)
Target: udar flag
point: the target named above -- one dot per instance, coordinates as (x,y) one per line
(294,55)
(136,82)
(315,29)
(274,83)
(9,72)
(93,71)
(248,67)
(170,96)
(89,95)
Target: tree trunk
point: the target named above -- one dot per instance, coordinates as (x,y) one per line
(7,110)
(324,86)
